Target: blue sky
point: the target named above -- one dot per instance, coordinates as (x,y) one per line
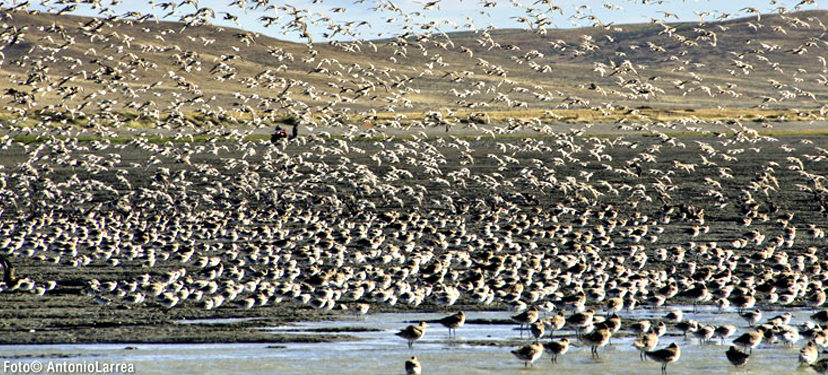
(447,15)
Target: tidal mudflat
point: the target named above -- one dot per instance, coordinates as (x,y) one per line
(131,242)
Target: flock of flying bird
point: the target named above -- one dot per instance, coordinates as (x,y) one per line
(102,69)
(346,222)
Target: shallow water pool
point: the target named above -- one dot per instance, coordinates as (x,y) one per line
(381,352)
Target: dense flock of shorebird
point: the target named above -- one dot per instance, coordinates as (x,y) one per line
(572,228)
(567,231)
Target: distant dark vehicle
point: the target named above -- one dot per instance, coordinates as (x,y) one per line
(279,133)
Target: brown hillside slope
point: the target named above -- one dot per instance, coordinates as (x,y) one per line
(162,71)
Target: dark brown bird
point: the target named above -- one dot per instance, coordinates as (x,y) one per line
(820,317)
(665,356)
(537,329)
(613,324)
(526,318)
(528,353)
(579,321)
(737,357)
(750,340)
(698,294)
(595,339)
(453,322)
(556,322)
(556,348)
(412,333)
(647,342)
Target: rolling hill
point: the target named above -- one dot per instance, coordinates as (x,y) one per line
(163,73)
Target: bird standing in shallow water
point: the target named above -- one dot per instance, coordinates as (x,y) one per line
(555,323)
(613,324)
(556,348)
(674,316)
(579,321)
(453,322)
(704,334)
(724,331)
(665,356)
(698,294)
(528,353)
(751,317)
(596,339)
(526,318)
(686,326)
(412,333)
(647,342)
(750,340)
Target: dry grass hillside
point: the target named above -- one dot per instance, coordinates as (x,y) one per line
(70,68)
